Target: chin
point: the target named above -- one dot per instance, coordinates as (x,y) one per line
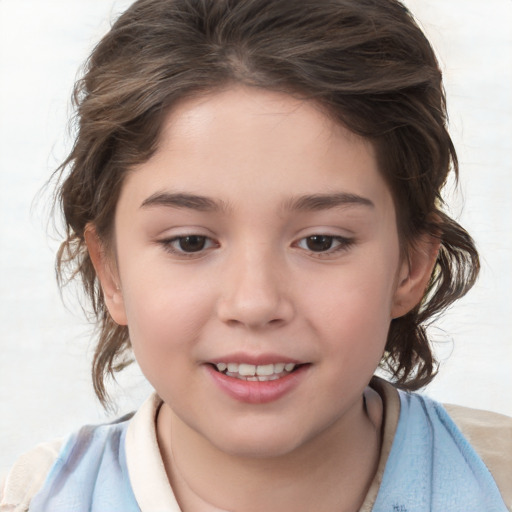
(260,442)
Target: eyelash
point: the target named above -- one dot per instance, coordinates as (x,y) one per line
(343,244)
(172,245)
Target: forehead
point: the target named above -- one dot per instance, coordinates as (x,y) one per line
(250,143)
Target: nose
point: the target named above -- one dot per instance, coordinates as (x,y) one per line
(255,291)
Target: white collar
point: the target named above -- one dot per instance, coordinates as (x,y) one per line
(145,466)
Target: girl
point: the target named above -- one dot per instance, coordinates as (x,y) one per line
(253,206)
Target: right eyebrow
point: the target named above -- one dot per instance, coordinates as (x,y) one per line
(182,200)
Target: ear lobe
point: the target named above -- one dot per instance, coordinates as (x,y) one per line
(414,274)
(107,275)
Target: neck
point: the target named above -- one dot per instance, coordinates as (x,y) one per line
(330,473)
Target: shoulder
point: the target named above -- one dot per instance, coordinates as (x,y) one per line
(27,476)
(434,464)
(81,451)
(490,435)
(482,438)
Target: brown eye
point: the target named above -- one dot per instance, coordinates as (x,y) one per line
(192,243)
(188,245)
(319,243)
(325,245)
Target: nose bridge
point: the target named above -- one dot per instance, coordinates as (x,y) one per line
(255,287)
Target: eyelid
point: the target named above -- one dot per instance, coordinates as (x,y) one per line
(341,243)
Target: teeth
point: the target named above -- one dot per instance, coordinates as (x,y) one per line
(265,370)
(279,367)
(251,372)
(264,378)
(255,378)
(247,370)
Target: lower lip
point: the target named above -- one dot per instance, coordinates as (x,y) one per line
(256,392)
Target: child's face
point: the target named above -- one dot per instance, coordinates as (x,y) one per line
(259,233)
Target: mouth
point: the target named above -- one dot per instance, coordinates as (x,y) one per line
(256,373)
(257,383)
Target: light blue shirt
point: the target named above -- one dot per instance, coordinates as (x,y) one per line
(431,468)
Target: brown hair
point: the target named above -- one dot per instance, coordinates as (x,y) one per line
(365,61)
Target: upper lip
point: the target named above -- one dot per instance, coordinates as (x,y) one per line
(255,359)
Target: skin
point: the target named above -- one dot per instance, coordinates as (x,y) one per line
(256,289)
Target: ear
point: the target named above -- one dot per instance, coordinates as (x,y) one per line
(414,274)
(107,274)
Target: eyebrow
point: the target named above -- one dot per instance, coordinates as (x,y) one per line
(182,200)
(312,202)
(316,202)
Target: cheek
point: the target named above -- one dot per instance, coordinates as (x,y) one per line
(164,324)
(362,291)
(165,313)
(353,307)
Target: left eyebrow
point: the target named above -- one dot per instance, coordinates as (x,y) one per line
(315,202)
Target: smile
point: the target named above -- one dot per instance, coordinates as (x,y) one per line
(255,373)
(257,383)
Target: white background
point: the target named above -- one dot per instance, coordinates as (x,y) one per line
(45,349)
